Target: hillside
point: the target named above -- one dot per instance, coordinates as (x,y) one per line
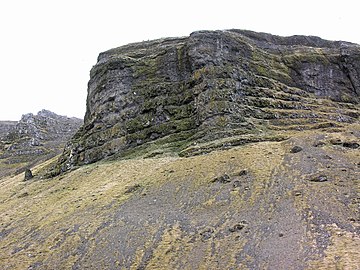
(33,139)
(256,206)
(222,150)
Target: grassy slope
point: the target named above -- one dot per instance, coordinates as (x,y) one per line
(176,213)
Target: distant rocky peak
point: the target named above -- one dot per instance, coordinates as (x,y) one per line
(48,114)
(44,125)
(27,118)
(43,114)
(34,138)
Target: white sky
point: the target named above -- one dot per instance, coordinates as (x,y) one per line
(48,47)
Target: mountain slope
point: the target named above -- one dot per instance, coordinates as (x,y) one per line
(265,205)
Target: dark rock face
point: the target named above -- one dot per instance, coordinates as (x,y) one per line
(33,139)
(28,175)
(214,89)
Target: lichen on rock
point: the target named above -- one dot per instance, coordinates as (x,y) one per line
(174,93)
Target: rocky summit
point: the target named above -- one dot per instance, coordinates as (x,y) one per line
(5,127)
(33,139)
(221,150)
(212,90)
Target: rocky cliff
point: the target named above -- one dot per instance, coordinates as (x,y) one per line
(246,151)
(214,90)
(33,139)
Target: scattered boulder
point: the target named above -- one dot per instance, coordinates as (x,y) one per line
(319,144)
(296,149)
(28,175)
(336,141)
(352,145)
(238,227)
(131,189)
(222,179)
(206,235)
(236,184)
(243,172)
(297,193)
(22,195)
(318,178)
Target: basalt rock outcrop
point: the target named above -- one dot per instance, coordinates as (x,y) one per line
(33,139)
(213,89)
(289,199)
(5,127)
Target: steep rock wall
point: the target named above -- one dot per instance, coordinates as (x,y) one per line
(213,89)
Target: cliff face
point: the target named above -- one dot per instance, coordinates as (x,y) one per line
(214,90)
(288,201)
(33,139)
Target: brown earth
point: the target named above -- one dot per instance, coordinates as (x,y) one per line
(256,206)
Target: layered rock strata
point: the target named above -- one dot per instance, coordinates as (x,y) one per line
(213,89)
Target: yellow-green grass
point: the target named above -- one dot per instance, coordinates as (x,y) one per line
(43,219)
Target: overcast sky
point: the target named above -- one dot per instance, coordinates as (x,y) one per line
(48,47)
